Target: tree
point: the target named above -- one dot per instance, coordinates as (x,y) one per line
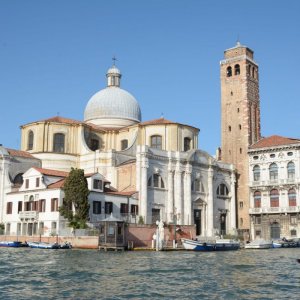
(75,207)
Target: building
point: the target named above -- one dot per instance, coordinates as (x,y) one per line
(13,164)
(274,172)
(240,113)
(33,209)
(158,161)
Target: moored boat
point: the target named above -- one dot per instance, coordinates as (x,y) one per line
(227,245)
(14,244)
(259,244)
(43,245)
(218,245)
(284,243)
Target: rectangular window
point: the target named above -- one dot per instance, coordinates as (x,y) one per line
(36,205)
(20,204)
(41,205)
(124,208)
(9,208)
(96,207)
(108,208)
(292,202)
(156,142)
(54,204)
(26,183)
(293,219)
(241,204)
(257,220)
(134,209)
(124,144)
(37,182)
(97,184)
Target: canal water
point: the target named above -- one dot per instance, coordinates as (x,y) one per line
(89,274)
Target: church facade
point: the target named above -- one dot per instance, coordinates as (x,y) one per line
(156,162)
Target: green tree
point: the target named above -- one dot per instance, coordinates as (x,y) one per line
(75,207)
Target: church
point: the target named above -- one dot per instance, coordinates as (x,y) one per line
(141,171)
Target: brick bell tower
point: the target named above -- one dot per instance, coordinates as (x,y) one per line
(240,118)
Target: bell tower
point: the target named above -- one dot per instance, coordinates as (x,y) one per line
(240,119)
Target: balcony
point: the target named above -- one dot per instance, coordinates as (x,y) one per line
(274,210)
(28,215)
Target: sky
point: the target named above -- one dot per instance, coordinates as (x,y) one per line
(54,56)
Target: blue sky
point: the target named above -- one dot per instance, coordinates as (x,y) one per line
(54,56)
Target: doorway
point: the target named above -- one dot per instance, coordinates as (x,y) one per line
(223,224)
(197,221)
(275,230)
(155,215)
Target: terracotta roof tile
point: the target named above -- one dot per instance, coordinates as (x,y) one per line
(57,185)
(273,141)
(163,121)
(59,119)
(19,153)
(52,172)
(158,122)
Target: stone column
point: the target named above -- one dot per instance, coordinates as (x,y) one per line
(232,203)
(178,192)
(188,195)
(210,204)
(144,165)
(170,201)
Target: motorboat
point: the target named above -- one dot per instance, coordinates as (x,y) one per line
(259,244)
(216,245)
(14,244)
(43,245)
(284,243)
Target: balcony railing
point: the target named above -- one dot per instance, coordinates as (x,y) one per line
(273,182)
(28,215)
(272,210)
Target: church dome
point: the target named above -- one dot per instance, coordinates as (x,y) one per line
(113,106)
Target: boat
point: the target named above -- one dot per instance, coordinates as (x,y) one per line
(217,245)
(13,244)
(259,244)
(43,245)
(284,243)
(227,244)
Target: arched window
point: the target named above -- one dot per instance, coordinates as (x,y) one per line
(18,180)
(253,72)
(256,173)
(291,170)
(187,144)
(30,140)
(94,144)
(257,199)
(273,172)
(237,70)
(156,141)
(59,143)
(274,198)
(229,72)
(197,186)
(156,181)
(124,144)
(292,197)
(222,190)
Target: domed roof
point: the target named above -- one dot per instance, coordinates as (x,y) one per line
(113,106)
